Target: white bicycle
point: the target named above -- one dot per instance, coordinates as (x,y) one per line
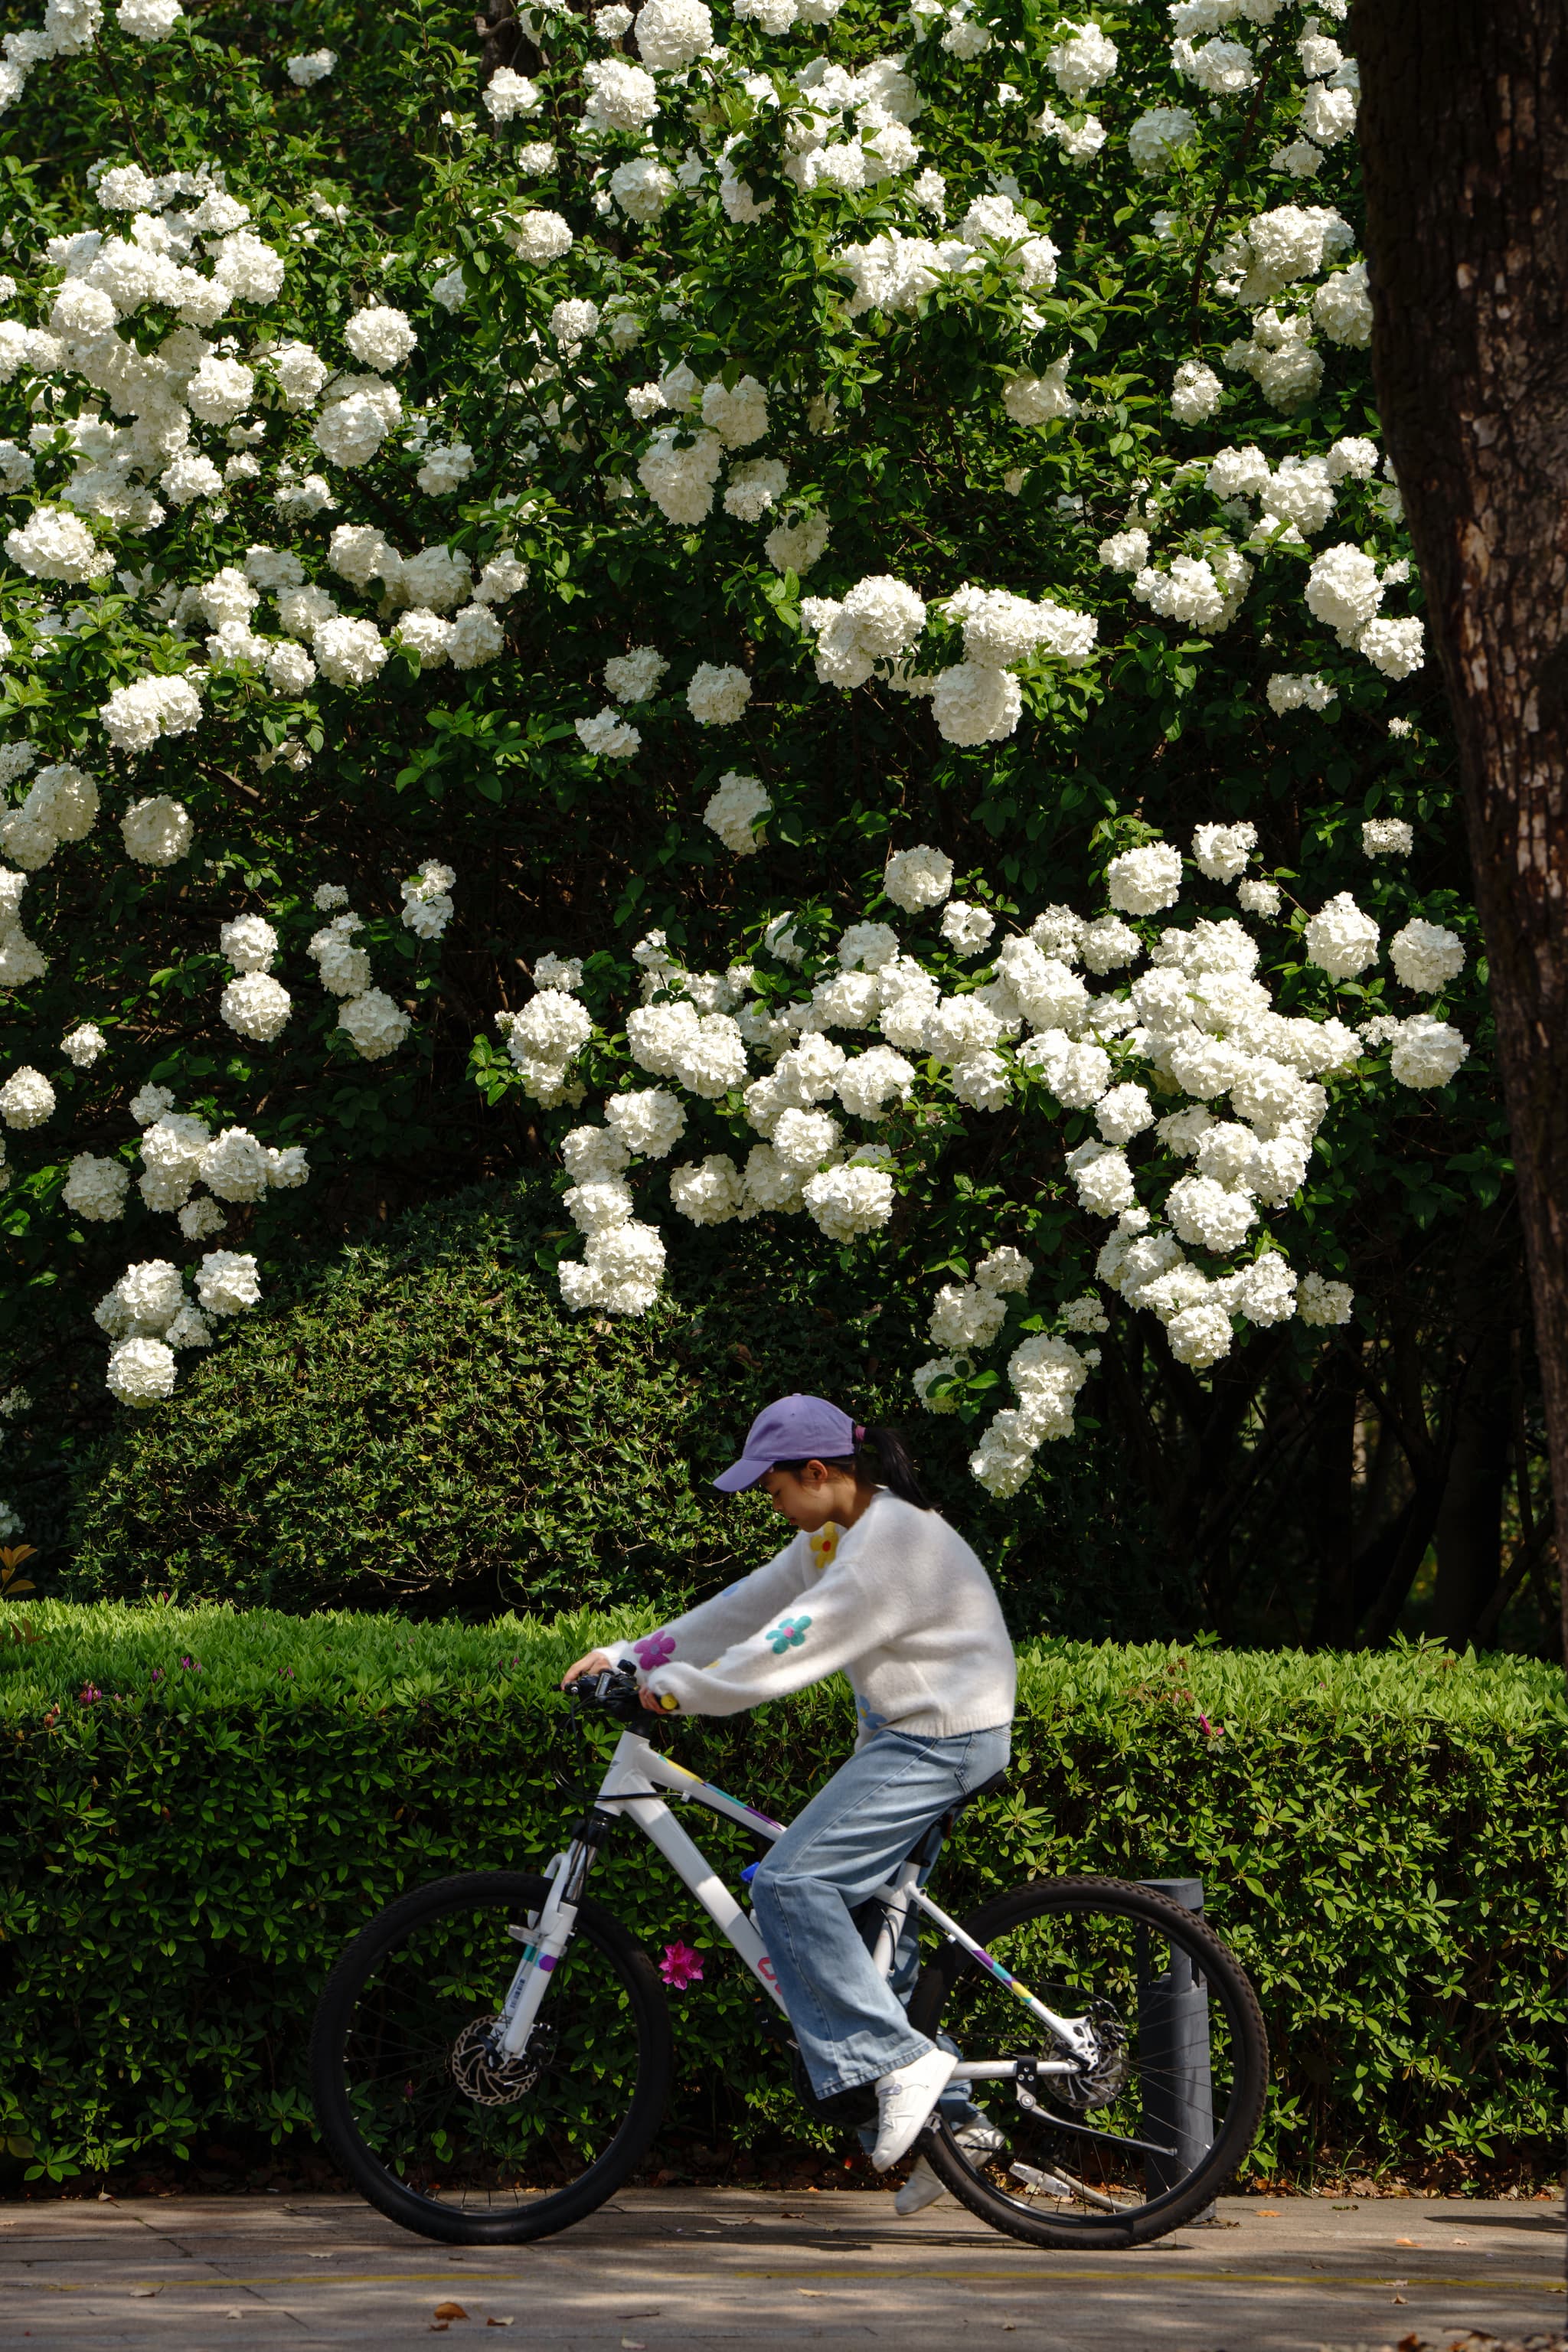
(492,2055)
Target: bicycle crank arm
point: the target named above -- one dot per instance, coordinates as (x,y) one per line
(1053,2121)
(1004,2069)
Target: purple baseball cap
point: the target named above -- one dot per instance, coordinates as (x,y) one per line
(791,1429)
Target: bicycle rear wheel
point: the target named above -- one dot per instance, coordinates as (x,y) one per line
(426,2128)
(1069,2171)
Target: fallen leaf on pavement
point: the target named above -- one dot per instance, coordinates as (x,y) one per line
(1404,2241)
(1269,2213)
(143,2290)
(1399,2298)
(630,2343)
(450,2310)
(493,2322)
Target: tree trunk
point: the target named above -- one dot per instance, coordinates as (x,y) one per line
(1331,1498)
(1468,1534)
(1464,139)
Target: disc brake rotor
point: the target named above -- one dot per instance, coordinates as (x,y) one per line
(490,2082)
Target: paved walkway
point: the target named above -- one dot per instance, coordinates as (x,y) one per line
(681,2267)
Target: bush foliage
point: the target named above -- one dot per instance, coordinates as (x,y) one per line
(425,1423)
(202,1806)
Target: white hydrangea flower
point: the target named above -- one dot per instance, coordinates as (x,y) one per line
(972,704)
(1288,690)
(95,1189)
(681,481)
(1396,647)
(649,1122)
(873,1081)
(1123,1113)
(718,693)
(26,1098)
(83,1045)
(1103,1179)
(199,1220)
(642,187)
(797,545)
(1425,1053)
(967,929)
(737,811)
(1387,836)
(1344,591)
(710,1191)
(1143,881)
(1259,898)
(351,653)
(1341,940)
(1082,59)
(607,736)
(508,94)
(1200,1335)
(374,1026)
(1322,1302)
(1195,394)
(1342,308)
(1154,138)
(55,545)
(427,905)
(255,1005)
(227,1283)
(1031,399)
(314,66)
(849,1202)
(1221,850)
(140,1372)
(1004,1268)
(966,1317)
(1425,957)
(380,337)
(671,35)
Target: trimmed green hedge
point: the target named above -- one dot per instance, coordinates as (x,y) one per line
(201,1807)
(416,1422)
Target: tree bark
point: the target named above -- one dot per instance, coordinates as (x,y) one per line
(1464,139)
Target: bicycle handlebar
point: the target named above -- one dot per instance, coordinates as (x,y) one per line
(614,1692)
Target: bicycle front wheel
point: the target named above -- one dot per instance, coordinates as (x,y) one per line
(409,2103)
(1164,2119)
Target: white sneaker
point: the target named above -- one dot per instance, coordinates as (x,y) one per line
(904,2100)
(922,2188)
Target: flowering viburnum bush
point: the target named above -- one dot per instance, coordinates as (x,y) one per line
(1208,1097)
(762,570)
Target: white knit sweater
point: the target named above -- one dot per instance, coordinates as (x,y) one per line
(898,1602)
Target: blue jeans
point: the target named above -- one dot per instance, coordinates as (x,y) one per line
(850,1840)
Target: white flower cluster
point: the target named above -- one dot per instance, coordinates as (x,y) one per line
(1153,1058)
(147,1316)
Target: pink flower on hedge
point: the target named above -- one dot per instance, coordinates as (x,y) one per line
(681,1967)
(653,1650)
(90,1695)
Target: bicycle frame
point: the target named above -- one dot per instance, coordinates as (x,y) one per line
(637,1776)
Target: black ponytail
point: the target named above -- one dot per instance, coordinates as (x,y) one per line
(894,1465)
(880,1458)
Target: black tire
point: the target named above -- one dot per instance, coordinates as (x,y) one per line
(1070,1941)
(544,2152)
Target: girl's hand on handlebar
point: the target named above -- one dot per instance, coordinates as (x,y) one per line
(654,1706)
(595,1663)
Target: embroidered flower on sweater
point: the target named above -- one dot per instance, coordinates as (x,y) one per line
(823,1544)
(787,1634)
(653,1650)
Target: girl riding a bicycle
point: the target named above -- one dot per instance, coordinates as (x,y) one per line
(875,1584)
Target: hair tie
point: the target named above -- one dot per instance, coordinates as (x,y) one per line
(859,1433)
